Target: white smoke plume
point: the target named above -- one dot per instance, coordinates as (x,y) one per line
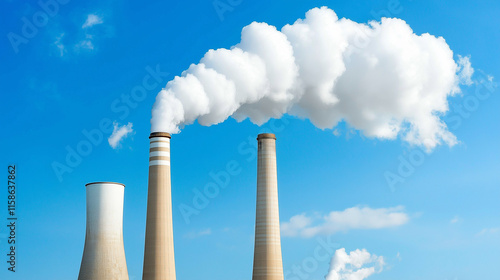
(381,78)
(357,265)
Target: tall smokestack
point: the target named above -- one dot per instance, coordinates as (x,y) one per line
(267,263)
(103,254)
(159,261)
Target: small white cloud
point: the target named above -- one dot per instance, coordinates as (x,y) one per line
(465,70)
(295,225)
(351,218)
(357,265)
(85,43)
(193,234)
(119,132)
(488,231)
(59,45)
(205,232)
(455,220)
(86,39)
(417,215)
(92,19)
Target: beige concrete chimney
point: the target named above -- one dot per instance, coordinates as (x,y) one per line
(267,263)
(159,261)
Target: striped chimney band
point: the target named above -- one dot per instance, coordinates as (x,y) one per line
(159,148)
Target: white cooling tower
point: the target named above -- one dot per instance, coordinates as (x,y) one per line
(103,254)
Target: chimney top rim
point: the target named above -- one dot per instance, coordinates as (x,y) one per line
(112,183)
(159,134)
(266,136)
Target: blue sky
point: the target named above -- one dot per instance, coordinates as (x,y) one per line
(74,71)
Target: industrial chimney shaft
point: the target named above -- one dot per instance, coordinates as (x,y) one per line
(159,263)
(267,264)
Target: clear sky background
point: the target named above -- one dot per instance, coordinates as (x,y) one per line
(70,76)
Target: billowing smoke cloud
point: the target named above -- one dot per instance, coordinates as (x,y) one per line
(380,78)
(357,265)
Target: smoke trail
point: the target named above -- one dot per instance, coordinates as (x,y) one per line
(380,78)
